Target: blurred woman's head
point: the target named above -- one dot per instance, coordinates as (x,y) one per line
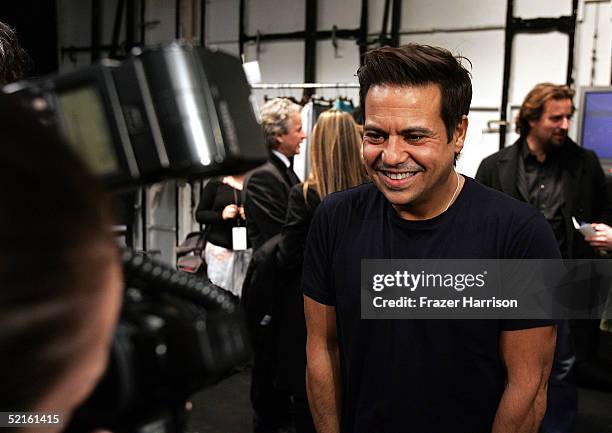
(60,272)
(335,153)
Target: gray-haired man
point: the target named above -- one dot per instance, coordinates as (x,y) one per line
(266,196)
(267,187)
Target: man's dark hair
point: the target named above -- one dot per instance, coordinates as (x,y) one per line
(14,61)
(420,65)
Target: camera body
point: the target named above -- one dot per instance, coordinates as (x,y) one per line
(177,335)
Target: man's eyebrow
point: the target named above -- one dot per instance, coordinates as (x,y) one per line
(374,128)
(406,131)
(417,130)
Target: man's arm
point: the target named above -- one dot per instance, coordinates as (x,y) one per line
(602,193)
(290,254)
(323,381)
(527,355)
(265,204)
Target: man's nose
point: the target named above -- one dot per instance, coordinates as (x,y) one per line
(565,123)
(393,153)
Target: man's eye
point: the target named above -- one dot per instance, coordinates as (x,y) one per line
(375,138)
(414,137)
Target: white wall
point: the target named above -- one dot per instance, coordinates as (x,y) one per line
(594,33)
(535,57)
(542,8)
(74,29)
(222,22)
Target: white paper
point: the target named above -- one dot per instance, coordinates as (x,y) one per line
(239,238)
(585,229)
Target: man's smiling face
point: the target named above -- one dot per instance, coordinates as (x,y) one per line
(406,148)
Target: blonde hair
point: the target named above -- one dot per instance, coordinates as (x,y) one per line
(335,154)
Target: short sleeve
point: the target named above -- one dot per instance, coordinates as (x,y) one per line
(316,276)
(532,240)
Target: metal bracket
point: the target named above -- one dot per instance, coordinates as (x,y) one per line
(493,126)
(151,24)
(334,41)
(564,24)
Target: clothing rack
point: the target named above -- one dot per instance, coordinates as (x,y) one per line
(306,86)
(341,86)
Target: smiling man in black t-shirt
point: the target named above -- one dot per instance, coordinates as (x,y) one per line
(421,376)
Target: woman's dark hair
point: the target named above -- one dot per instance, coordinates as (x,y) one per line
(420,65)
(56,246)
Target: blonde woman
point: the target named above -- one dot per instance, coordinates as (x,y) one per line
(335,157)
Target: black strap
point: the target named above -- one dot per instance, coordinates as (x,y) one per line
(237,204)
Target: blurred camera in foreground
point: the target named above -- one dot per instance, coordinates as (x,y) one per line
(169,112)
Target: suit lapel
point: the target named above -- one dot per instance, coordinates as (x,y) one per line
(571,169)
(507,167)
(281,168)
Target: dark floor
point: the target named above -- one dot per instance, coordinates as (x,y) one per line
(594,412)
(225,407)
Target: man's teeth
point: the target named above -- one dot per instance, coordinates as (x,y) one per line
(398,176)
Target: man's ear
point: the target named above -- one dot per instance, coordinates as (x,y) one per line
(531,124)
(460,134)
(278,140)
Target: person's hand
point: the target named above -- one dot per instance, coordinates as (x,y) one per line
(603,239)
(241,211)
(229,212)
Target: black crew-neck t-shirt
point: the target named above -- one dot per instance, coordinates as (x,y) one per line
(418,376)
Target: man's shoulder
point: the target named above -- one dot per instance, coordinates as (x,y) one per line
(342,207)
(352,199)
(577,151)
(501,154)
(492,203)
(265,169)
(520,227)
(265,173)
